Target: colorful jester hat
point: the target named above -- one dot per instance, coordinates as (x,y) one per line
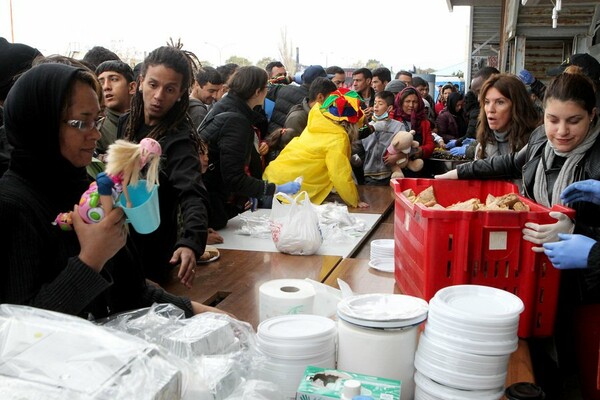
(343,105)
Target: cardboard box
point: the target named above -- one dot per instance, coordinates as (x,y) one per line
(325,384)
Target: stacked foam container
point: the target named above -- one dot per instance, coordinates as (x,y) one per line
(464,351)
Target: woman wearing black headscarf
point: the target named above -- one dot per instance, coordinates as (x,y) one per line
(451,122)
(52,119)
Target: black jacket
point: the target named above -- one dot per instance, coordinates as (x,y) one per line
(229,131)
(285,97)
(197,110)
(41,269)
(472,112)
(180,187)
(38,261)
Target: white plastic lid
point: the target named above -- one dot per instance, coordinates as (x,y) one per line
(462,343)
(460,361)
(469,331)
(382,243)
(381,310)
(297,326)
(382,264)
(477,301)
(444,392)
(450,377)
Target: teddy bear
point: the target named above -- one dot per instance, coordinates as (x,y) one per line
(403,143)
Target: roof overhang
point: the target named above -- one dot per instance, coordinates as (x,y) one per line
(453,3)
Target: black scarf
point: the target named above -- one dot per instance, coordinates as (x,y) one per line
(32,117)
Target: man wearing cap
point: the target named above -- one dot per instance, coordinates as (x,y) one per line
(15,58)
(395,86)
(590,68)
(287,96)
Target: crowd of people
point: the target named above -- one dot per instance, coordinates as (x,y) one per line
(232,137)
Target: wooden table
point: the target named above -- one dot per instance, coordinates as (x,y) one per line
(362,279)
(379,198)
(231,283)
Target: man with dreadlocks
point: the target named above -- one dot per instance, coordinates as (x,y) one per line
(158,111)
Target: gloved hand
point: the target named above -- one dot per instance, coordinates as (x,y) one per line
(540,234)
(288,188)
(459,151)
(253,203)
(468,141)
(105,184)
(451,144)
(588,190)
(526,77)
(571,252)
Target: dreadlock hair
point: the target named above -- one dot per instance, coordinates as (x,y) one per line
(182,62)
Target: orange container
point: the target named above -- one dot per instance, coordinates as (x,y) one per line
(437,248)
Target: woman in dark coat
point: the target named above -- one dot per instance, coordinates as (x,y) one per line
(234,140)
(52,119)
(451,123)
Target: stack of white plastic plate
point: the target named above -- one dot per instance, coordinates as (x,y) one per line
(382,255)
(430,390)
(293,342)
(469,335)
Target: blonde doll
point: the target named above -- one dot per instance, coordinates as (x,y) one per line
(124,163)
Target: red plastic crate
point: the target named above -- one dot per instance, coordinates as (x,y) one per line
(437,248)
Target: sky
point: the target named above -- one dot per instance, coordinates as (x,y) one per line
(423,33)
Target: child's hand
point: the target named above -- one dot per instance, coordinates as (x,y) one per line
(391,159)
(263,148)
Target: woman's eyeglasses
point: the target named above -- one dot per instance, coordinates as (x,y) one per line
(85,126)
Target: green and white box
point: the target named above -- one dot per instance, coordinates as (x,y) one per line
(324,384)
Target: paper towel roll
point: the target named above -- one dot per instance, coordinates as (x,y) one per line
(285,296)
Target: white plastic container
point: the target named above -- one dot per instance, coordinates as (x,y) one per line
(290,343)
(377,335)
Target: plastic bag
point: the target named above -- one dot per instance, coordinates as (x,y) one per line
(295,225)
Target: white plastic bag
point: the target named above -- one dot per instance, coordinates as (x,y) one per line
(295,225)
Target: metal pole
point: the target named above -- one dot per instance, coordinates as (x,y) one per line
(12,32)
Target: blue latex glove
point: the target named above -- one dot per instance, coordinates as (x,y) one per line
(253,203)
(288,188)
(105,184)
(588,190)
(570,252)
(451,144)
(459,151)
(468,141)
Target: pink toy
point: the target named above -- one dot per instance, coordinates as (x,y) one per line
(124,162)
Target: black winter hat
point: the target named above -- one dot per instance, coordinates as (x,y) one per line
(15,58)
